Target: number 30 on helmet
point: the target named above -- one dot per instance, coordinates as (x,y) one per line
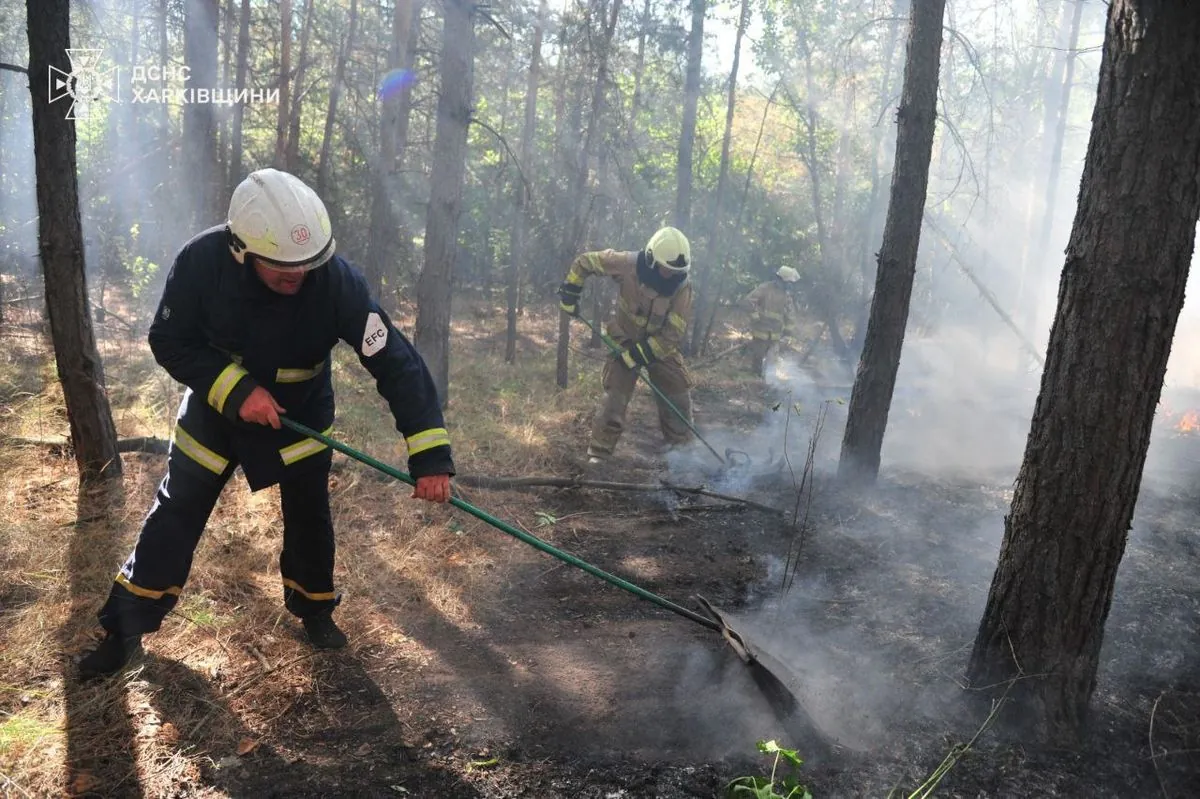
(669,249)
(278,219)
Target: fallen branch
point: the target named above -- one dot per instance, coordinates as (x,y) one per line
(482,481)
(58,446)
(723,353)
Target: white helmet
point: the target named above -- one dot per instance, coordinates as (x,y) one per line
(787,274)
(669,249)
(278,219)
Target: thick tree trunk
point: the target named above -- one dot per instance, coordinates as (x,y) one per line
(522,187)
(236,169)
(876,379)
(291,157)
(1121,292)
(456,76)
(283,120)
(201,169)
(687,133)
(60,242)
(383,243)
(324,168)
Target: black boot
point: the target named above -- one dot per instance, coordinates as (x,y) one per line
(323,632)
(112,655)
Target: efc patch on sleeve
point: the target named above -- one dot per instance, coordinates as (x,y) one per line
(374,335)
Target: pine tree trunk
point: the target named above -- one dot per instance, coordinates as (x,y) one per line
(60,243)
(236,169)
(285,75)
(291,156)
(1119,299)
(687,133)
(324,168)
(523,185)
(456,73)
(201,168)
(876,379)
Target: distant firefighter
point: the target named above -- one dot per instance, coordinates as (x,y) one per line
(772,311)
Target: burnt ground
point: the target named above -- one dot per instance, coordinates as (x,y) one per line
(537,680)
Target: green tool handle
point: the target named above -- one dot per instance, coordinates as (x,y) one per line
(616,350)
(532,540)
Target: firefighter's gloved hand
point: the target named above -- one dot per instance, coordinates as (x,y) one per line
(568,298)
(434,488)
(638,354)
(261,408)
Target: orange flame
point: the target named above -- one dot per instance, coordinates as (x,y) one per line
(1190,422)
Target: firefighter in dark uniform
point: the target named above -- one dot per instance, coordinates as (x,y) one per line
(247,320)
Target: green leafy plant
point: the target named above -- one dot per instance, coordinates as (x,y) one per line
(775,786)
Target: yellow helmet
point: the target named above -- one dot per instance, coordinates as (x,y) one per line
(787,274)
(669,249)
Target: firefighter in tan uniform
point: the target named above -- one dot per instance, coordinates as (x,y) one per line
(654,308)
(771,312)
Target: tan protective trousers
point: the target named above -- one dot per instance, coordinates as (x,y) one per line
(670,376)
(759,349)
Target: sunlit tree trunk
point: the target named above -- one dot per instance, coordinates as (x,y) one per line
(456,74)
(60,244)
(236,170)
(285,75)
(201,169)
(291,157)
(876,378)
(687,133)
(324,167)
(521,188)
(1119,298)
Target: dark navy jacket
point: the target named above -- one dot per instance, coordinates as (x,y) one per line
(220,331)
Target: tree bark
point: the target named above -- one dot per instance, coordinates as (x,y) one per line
(324,168)
(523,185)
(291,156)
(383,242)
(875,381)
(1121,292)
(687,132)
(201,169)
(283,120)
(456,77)
(60,243)
(236,169)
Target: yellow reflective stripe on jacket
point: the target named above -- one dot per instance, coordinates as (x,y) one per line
(676,321)
(631,312)
(302,449)
(657,348)
(586,264)
(219,391)
(148,593)
(321,597)
(427,439)
(197,451)
(298,375)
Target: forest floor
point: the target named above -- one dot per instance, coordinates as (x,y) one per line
(480,667)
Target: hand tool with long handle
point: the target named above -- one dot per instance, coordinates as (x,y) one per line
(616,351)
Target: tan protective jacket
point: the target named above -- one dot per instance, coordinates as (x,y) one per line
(642,313)
(770,310)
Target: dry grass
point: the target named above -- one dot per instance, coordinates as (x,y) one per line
(236,662)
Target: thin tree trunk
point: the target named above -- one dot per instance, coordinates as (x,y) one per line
(283,120)
(876,378)
(579,185)
(1119,300)
(445,196)
(236,168)
(227,59)
(324,168)
(292,155)
(199,123)
(60,243)
(523,184)
(687,133)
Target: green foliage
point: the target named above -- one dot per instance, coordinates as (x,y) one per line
(775,785)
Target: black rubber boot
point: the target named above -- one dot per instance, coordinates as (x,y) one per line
(323,632)
(112,655)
